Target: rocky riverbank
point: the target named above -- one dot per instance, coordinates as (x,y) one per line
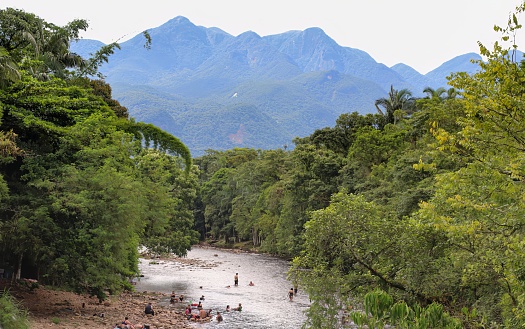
(50,308)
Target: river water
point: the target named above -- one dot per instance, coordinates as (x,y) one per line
(264,305)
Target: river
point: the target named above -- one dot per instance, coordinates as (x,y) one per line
(264,305)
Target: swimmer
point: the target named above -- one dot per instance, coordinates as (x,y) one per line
(239,308)
(227,308)
(219,317)
(251,283)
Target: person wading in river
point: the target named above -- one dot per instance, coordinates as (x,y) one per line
(290,294)
(236,279)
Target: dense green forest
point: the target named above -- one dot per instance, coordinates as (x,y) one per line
(82,186)
(413,216)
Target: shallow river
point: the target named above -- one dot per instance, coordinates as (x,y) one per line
(265,305)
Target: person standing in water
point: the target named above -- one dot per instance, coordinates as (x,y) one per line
(236,279)
(290,294)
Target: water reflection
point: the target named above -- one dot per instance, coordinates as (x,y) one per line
(265,305)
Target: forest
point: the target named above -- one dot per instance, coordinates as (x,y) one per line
(412,217)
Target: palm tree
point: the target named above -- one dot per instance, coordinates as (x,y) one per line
(8,69)
(438,93)
(39,47)
(397,100)
(434,93)
(51,48)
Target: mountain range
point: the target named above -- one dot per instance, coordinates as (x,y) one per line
(216,91)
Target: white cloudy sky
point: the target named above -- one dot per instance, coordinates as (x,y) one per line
(419,33)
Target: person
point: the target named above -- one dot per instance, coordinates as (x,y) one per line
(227,308)
(202,314)
(181,297)
(239,308)
(149,309)
(202,297)
(236,279)
(200,305)
(219,317)
(251,283)
(295,289)
(187,312)
(173,298)
(127,324)
(290,294)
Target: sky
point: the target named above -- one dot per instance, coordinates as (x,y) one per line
(420,33)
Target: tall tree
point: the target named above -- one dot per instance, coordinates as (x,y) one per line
(398,104)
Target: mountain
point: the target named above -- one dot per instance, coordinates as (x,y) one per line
(462,63)
(217,91)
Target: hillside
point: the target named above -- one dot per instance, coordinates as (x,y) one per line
(208,87)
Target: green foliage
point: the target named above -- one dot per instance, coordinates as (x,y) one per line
(12,315)
(81,189)
(380,310)
(398,104)
(38,47)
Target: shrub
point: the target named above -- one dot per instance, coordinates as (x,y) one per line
(12,315)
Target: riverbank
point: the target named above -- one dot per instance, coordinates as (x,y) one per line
(48,308)
(51,308)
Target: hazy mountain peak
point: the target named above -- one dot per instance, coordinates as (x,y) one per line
(179,20)
(315,30)
(248,35)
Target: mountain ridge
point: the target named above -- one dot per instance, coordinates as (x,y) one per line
(292,83)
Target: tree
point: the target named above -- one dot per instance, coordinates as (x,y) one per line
(348,247)
(397,100)
(479,207)
(77,179)
(39,47)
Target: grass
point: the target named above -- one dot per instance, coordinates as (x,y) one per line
(12,315)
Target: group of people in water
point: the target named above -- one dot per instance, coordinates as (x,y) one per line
(201,315)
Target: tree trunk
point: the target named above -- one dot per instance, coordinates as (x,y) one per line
(19,268)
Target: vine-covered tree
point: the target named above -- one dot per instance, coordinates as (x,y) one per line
(81,185)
